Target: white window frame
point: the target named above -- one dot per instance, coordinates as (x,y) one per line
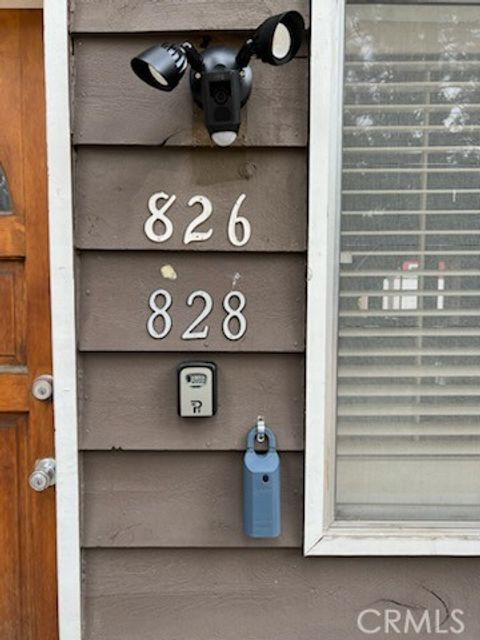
(323,536)
(60,213)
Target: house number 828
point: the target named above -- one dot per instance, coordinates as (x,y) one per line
(158,227)
(159,323)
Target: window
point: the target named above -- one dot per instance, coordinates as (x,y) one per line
(393,373)
(5,197)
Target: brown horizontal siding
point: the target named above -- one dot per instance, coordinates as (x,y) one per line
(161,494)
(267,594)
(175,15)
(181,499)
(112,106)
(129,401)
(115,288)
(113,187)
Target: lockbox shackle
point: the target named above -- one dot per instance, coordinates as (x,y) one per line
(252,434)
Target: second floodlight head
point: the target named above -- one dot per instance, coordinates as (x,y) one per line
(220,77)
(161,67)
(276,41)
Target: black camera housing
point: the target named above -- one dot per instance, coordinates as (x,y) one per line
(221,89)
(221,100)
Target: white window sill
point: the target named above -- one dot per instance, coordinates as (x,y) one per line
(397,539)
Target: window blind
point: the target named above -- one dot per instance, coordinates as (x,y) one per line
(408,425)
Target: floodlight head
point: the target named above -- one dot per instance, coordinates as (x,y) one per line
(162,66)
(276,41)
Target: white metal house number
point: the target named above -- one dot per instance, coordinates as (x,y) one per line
(160,323)
(158,226)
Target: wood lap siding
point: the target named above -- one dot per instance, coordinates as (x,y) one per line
(273,383)
(114,183)
(178,499)
(115,288)
(256,594)
(174,15)
(152,481)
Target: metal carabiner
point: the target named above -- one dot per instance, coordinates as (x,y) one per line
(260,429)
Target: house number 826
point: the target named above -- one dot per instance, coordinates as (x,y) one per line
(234,325)
(158,226)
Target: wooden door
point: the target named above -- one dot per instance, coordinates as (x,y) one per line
(27,518)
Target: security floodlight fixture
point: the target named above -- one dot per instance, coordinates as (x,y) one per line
(220,77)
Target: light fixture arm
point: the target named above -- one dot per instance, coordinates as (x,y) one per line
(194,57)
(245,54)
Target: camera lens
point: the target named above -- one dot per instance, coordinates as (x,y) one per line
(220,96)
